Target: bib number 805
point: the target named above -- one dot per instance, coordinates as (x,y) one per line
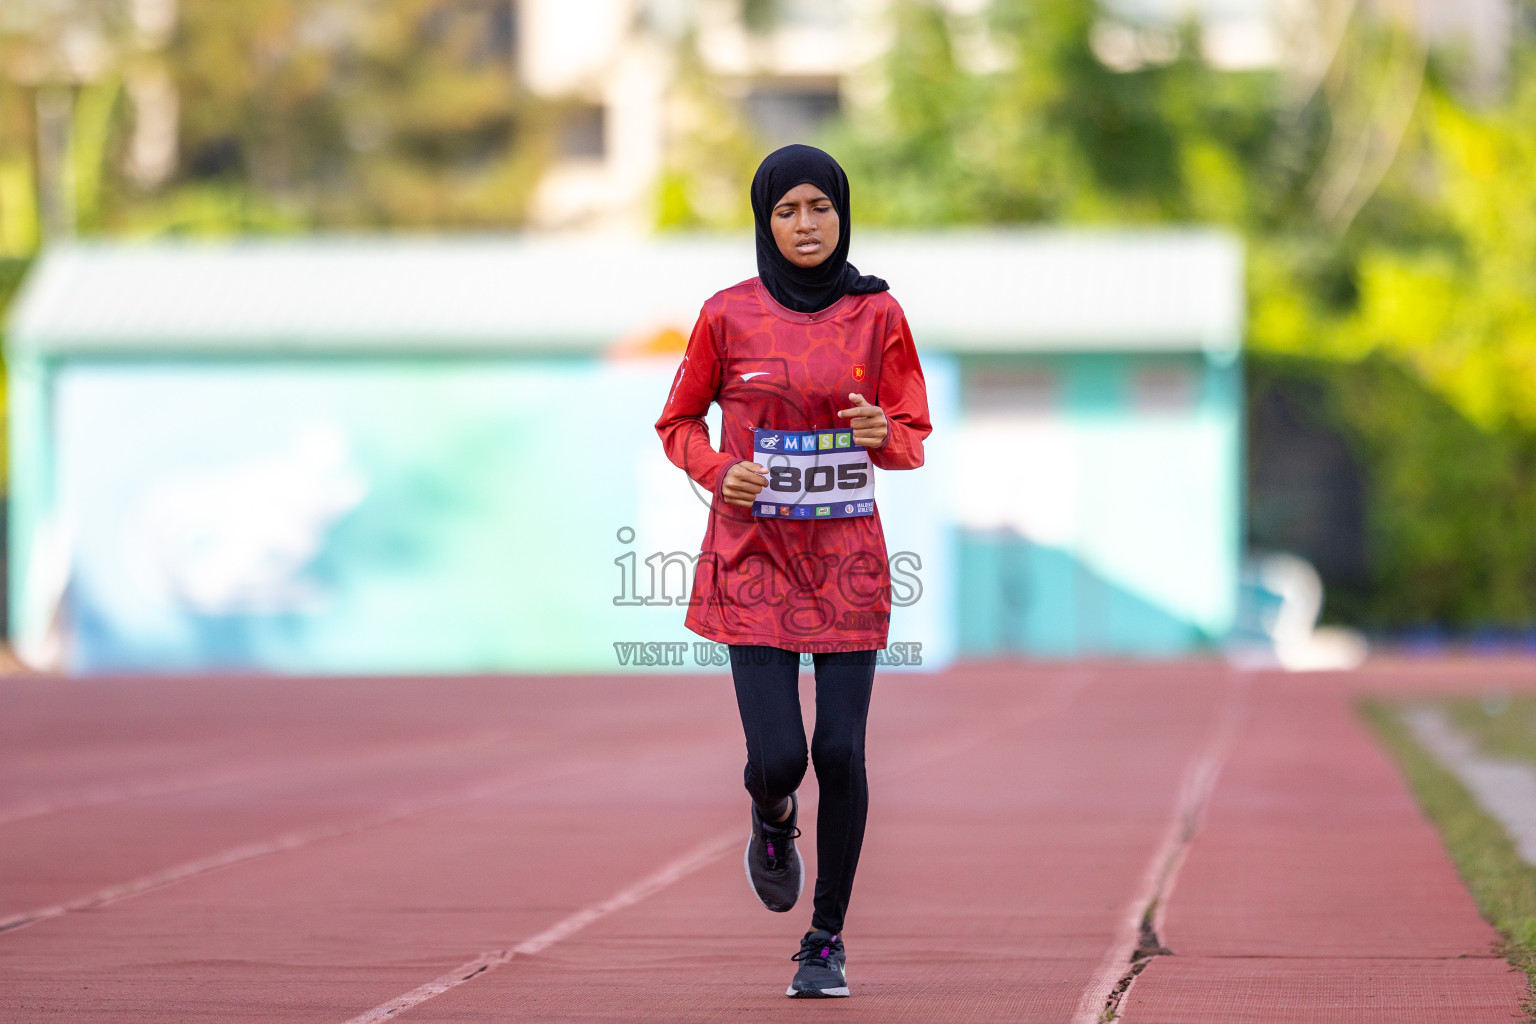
(849,477)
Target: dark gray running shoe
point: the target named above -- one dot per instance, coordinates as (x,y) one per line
(823,969)
(774,868)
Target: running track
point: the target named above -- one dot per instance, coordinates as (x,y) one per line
(336,851)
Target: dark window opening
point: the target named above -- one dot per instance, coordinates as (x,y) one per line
(783,114)
(581,134)
(1306,490)
(216,158)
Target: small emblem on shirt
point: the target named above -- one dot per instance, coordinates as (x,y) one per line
(858,371)
(754,373)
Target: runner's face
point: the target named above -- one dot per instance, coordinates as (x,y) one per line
(805,225)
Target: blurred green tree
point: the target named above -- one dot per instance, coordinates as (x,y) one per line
(287,115)
(352,113)
(1008,115)
(1391,225)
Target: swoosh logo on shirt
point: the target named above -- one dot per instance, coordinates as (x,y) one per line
(758,373)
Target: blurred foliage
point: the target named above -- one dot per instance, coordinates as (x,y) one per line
(1009,116)
(1451,512)
(712,159)
(1449,288)
(1390,221)
(292,115)
(357,113)
(11,273)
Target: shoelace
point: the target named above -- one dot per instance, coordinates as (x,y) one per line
(812,947)
(778,843)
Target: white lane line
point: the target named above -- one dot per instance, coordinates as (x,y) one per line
(288,841)
(97,796)
(1162,868)
(41,806)
(1070,684)
(673,871)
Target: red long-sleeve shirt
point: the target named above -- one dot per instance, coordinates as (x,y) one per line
(800,585)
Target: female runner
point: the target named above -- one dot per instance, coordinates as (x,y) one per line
(808,345)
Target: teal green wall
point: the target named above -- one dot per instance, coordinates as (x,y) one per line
(380,515)
(1149,567)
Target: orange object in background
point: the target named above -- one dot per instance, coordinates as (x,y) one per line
(649,344)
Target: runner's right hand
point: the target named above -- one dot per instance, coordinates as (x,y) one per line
(742,482)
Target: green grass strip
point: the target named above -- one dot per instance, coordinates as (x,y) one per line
(1503,885)
(1500,725)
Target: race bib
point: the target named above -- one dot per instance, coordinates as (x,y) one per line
(813,474)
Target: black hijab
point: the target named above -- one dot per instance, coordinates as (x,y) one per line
(805,289)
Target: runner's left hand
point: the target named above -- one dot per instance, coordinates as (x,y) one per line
(869,426)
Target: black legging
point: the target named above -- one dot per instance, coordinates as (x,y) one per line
(768,695)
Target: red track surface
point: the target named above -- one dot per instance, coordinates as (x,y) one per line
(258,849)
